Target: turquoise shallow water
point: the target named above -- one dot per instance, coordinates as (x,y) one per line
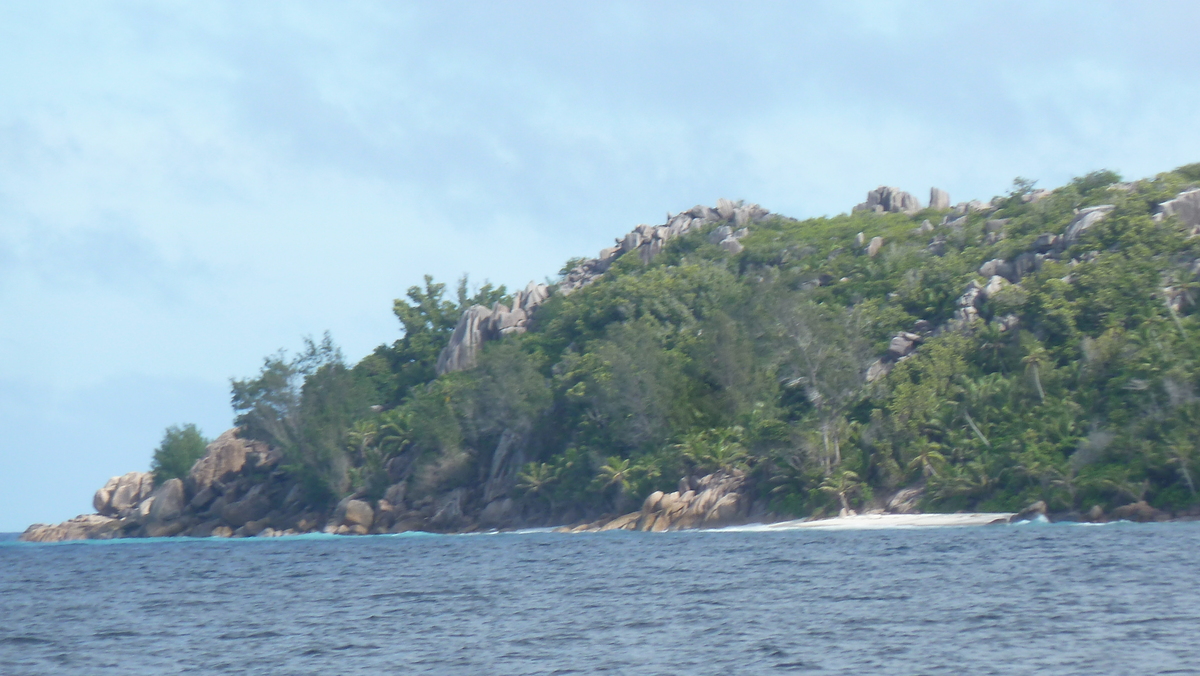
(1115,599)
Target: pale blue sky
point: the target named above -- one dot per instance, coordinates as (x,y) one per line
(186,187)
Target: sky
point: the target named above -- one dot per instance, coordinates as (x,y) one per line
(186,188)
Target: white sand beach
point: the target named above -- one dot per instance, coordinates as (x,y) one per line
(875,521)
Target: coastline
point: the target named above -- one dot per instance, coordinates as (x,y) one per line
(883,521)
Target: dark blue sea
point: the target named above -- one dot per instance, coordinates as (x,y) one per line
(1033,599)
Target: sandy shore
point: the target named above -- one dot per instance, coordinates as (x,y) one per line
(869,521)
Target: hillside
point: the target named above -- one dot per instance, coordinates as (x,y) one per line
(1043,346)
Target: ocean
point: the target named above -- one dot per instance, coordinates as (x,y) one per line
(1023,599)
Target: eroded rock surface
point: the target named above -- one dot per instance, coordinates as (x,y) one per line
(648,240)
(480,324)
(711,501)
(886,199)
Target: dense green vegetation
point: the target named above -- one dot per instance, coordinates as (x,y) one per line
(180,448)
(1077,386)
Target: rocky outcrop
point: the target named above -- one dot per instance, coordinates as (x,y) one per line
(84,527)
(939,199)
(122,493)
(217,493)
(1033,512)
(648,240)
(715,500)
(480,324)
(901,346)
(886,199)
(1185,207)
(224,458)
(1084,219)
(1139,511)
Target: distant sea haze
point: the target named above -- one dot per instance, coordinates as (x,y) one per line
(1020,599)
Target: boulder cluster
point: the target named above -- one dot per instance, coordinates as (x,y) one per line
(715,500)
(1000,273)
(480,324)
(227,491)
(1140,511)
(648,240)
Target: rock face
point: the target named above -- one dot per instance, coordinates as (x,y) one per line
(480,324)
(1185,207)
(224,458)
(1083,220)
(886,199)
(874,247)
(167,501)
(648,240)
(711,501)
(85,527)
(1030,513)
(939,199)
(122,493)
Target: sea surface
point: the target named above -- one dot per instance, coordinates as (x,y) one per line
(1026,599)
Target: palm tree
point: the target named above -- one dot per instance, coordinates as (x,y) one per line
(1035,356)
(843,484)
(927,456)
(616,471)
(715,449)
(537,479)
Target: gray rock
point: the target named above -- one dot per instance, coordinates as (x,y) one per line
(731,245)
(130,489)
(996,266)
(358,513)
(1045,242)
(395,493)
(169,500)
(1083,220)
(223,458)
(725,208)
(890,200)
(1030,513)
(994,285)
(449,511)
(939,199)
(102,500)
(1185,207)
(498,513)
(906,500)
(83,527)
(479,324)
(647,241)
(719,234)
(902,345)
(1024,264)
(1139,511)
(253,506)
(874,247)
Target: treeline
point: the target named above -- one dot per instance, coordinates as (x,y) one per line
(1076,385)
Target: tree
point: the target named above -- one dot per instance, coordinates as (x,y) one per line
(305,406)
(827,353)
(842,484)
(716,449)
(180,448)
